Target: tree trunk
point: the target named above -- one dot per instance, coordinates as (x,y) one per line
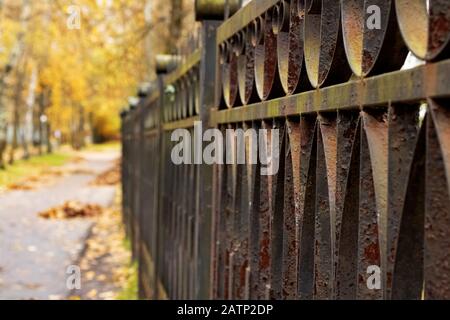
(15,126)
(41,126)
(28,126)
(10,66)
(81,127)
(176,24)
(25,146)
(16,113)
(2,150)
(49,134)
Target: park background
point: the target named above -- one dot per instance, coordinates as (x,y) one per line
(67,69)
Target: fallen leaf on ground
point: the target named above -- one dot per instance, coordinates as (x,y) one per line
(72,209)
(105,264)
(81,171)
(101,277)
(92,294)
(108,295)
(20,186)
(90,275)
(109,177)
(78,159)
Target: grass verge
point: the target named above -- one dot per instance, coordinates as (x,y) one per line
(107,146)
(130,290)
(33,166)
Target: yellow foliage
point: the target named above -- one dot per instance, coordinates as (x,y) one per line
(93,68)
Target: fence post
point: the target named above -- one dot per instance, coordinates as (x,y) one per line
(124,167)
(211,14)
(207,99)
(164,65)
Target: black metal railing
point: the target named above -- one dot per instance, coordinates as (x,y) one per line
(362,190)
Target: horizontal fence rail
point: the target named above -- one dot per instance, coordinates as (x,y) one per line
(359,204)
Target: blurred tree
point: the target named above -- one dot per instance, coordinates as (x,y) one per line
(87,70)
(175,25)
(20,16)
(69,67)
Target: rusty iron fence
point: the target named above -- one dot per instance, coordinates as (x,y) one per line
(364,172)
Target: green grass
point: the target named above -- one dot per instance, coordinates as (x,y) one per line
(111,145)
(21,169)
(48,160)
(127,244)
(130,291)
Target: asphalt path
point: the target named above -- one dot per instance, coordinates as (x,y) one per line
(35,253)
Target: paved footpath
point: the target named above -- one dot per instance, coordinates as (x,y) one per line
(35,252)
